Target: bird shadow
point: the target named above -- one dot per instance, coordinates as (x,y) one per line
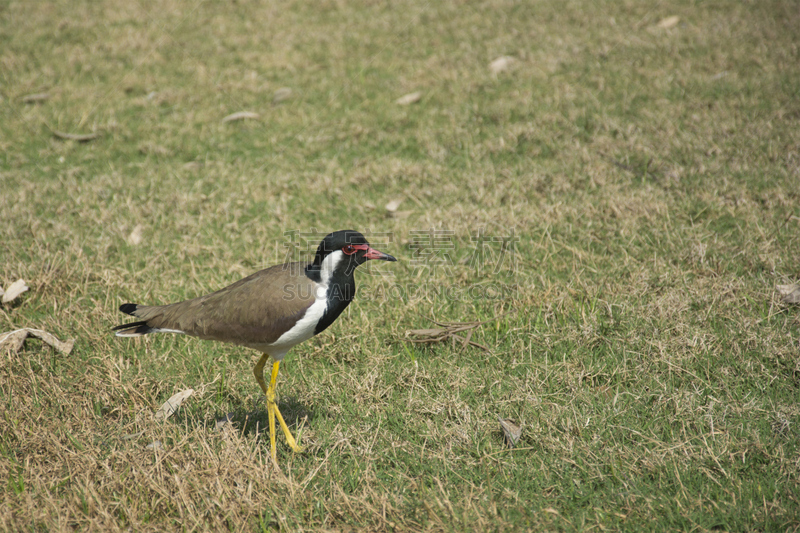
(253,419)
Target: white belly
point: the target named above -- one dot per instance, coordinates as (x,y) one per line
(300,332)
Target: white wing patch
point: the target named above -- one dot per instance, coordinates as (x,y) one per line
(153,330)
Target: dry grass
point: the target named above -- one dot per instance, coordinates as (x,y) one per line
(646,176)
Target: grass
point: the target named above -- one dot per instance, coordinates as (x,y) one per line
(644,178)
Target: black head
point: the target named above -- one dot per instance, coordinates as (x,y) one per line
(334,265)
(352,244)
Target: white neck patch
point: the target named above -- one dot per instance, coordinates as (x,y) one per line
(329,264)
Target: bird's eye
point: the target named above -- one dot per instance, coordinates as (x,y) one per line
(349,249)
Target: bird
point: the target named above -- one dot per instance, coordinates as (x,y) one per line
(271,311)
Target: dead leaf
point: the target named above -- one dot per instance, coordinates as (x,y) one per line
(433,332)
(393,205)
(448,331)
(511,430)
(171,405)
(790,293)
(62,346)
(79,137)
(136,235)
(410,98)
(241,115)
(151,148)
(132,436)
(392,212)
(34,98)
(14,290)
(284,93)
(785,290)
(501,63)
(224,422)
(668,22)
(13,340)
(793,298)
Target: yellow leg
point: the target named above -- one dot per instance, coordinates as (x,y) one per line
(272,407)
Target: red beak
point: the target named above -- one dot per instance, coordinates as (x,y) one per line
(372,253)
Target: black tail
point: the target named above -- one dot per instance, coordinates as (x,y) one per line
(128,309)
(133,329)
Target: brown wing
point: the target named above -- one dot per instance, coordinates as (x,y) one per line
(256,310)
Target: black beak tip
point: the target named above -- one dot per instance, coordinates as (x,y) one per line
(389,258)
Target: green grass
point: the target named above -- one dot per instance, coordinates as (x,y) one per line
(648,177)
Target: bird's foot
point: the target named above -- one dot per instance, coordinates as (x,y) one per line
(274,412)
(288,434)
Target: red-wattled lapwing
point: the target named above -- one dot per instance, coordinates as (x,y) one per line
(270,311)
